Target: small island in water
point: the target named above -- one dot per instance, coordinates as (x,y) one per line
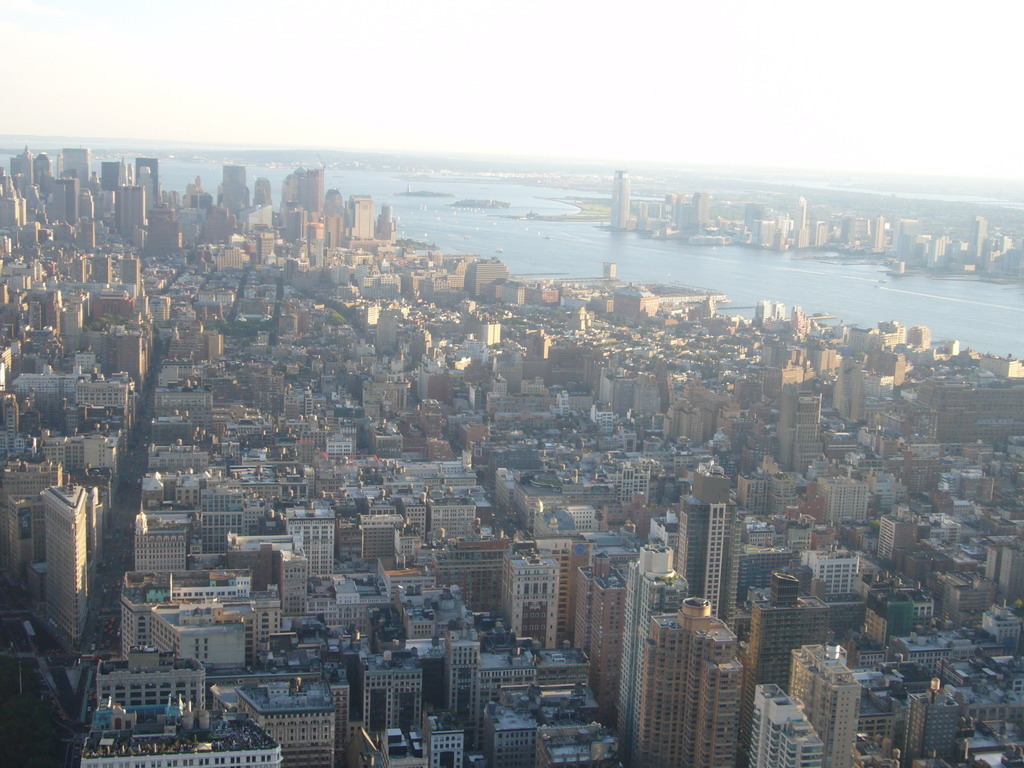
(480,204)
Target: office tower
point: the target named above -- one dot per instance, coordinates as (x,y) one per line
(261,194)
(652,588)
(878,235)
(67,588)
(709,541)
(700,210)
(800,216)
(777,625)
(147,175)
(130,209)
(610,270)
(234,193)
(689,686)
(830,695)
(65,200)
(25,523)
(113,174)
(299,715)
(600,627)
(77,164)
(979,231)
(42,171)
(129,270)
(932,724)
(311,191)
(163,233)
(483,273)
(101,269)
(385,230)
(314,527)
(23,170)
(360,217)
(801,231)
(906,238)
(845,499)
(621,218)
(462,668)
(782,735)
(529,596)
(799,430)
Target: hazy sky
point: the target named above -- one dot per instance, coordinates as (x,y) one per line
(925,87)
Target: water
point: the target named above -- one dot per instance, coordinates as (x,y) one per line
(983,316)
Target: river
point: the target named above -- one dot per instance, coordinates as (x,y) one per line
(984,316)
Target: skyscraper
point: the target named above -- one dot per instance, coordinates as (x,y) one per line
(830,695)
(147,175)
(709,541)
(130,209)
(782,735)
(77,164)
(22,166)
(979,231)
(261,192)
(621,218)
(114,174)
(652,587)
(777,625)
(700,205)
(65,200)
(234,193)
(688,687)
(799,429)
(360,217)
(67,588)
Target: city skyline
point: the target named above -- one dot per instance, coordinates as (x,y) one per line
(590,86)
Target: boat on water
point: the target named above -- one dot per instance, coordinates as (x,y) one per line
(499,250)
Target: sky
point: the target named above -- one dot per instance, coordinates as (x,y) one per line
(902,87)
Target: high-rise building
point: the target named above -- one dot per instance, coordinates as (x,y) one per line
(147,175)
(67,588)
(65,200)
(315,528)
(799,429)
(689,686)
(600,626)
(360,217)
(261,192)
(529,596)
(932,724)
(777,625)
(782,735)
(306,188)
(130,209)
(234,193)
(709,541)
(878,235)
(113,174)
(298,715)
(385,230)
(700,210)
(23,170)
(77,164)
(621,218)
(830,695)
(652,588)
(483,273)
(845,499)
(979,231)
